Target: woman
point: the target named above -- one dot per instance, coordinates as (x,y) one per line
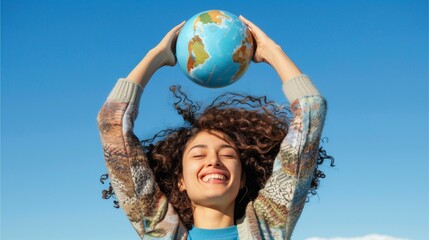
(236,171)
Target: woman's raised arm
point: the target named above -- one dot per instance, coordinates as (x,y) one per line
(280,202)
(128,167)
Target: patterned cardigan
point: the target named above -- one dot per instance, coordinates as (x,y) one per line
(272,215)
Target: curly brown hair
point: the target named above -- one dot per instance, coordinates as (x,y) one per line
(256,126)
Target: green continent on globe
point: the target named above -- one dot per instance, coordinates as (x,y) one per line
(213,16)
(197,54)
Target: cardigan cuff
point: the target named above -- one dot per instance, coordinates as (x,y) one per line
(298,87)
(126,91)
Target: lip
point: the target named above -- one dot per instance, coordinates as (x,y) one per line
(224,173)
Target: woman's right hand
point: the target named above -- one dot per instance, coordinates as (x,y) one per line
(161,55)
(167,47)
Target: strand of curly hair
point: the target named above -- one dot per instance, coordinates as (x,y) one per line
(256,125)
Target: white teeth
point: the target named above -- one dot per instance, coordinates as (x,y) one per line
(209,177)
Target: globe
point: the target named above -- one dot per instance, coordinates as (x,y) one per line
(214,48)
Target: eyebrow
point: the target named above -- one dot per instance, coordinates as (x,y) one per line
(205,146)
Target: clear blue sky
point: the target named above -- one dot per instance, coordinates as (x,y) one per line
(59,60)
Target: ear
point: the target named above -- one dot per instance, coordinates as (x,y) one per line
(181,185)
(243,180)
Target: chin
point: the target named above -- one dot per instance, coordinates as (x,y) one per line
(214,198)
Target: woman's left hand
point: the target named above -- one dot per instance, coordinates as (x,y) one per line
(265,46)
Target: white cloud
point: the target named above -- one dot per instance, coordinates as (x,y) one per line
(366,237)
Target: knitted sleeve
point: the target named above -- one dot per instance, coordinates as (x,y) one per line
(280,203)
(131,176)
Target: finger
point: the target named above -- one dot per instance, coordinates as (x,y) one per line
(173,32)
(178,27)
(243,18)
(255,35)
(251,25)
(176,30)
(247,22)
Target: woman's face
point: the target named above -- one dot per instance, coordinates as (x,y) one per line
(212,172)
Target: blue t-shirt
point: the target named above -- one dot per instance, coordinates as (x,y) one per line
(228,233)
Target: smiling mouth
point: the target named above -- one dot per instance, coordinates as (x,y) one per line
(214,177)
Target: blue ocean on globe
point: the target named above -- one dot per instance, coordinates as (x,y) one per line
(214,48)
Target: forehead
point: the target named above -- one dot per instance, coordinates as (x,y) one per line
(210,137)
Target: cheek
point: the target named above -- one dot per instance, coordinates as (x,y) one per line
(190,170)
(242,175)
(236,169)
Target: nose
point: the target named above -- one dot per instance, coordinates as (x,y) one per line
(213,160)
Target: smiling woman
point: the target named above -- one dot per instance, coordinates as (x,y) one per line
(236,138)
(236,170)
